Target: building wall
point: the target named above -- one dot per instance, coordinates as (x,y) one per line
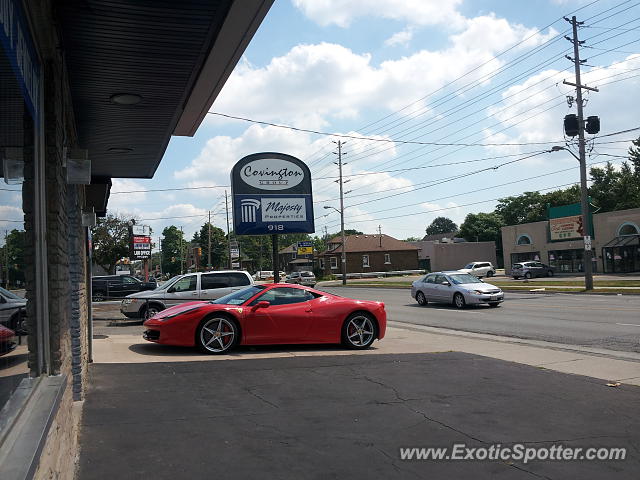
(400,260)
(605,229)
(452,256)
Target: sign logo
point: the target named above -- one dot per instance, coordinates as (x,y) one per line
(249,207)
(566,228)
(271,174)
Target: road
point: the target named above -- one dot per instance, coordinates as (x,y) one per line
(602,321)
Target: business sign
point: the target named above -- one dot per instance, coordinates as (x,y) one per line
(566,228)
(305,248)
(140,246)
(271,194)
(15,39)
(235,253)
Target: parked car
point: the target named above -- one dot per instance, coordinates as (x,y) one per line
(302,278)
(531,269)
(269,314)
(263,274)
(13,312)
(460,289)
(117,286)
(7,340)
(479,269)
(185,288)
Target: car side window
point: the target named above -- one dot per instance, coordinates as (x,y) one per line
(283,296)
(429,279)
(238,279)
(214,280)
(440,279)
(128,280)
(185,284)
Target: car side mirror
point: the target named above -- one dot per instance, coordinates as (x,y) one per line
(446,283)
(261,304)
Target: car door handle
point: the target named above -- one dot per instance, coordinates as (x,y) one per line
(194,293)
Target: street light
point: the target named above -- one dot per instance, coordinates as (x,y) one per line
(344,255)
(586,219)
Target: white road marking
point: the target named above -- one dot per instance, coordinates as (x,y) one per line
(629,324)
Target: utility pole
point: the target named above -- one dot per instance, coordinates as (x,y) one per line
(160,252)
(6,258)
(584,199)
(181,251)
(226,205)
(380,234)
(344,255)
(209,254)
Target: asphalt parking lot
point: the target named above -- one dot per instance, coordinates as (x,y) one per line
(347,416)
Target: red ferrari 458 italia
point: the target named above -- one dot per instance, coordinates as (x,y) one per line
(269,314)
(7,340)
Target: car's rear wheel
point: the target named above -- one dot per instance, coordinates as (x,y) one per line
(421,299)
(549,273)
(527,275)
(217,334)
(359,331)
(97,296)
(489,274)
(458,301)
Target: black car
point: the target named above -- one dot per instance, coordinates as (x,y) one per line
(117,286)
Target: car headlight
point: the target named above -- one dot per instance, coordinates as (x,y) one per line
(479,292)
(126,301)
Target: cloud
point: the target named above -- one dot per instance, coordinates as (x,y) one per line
(418,12)
(400,38)
(10,212)
(126,201)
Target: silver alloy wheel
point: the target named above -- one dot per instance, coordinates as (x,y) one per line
(360,331)
(150,312)
(527,275)
(217,334)
(420,298)
(97,297)
(458,300)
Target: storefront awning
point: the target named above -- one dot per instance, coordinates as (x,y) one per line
(143,71)
(623,241)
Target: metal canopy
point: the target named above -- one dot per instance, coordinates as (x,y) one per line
(176,56)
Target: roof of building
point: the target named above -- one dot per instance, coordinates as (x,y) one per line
(368,243)
(436,237)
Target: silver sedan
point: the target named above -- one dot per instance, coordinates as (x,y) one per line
(460,289)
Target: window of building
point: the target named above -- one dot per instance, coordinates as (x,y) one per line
(387,258)
(365,260)
(334,262)
(628,228)
(293,256)
(321,263)
(524,239)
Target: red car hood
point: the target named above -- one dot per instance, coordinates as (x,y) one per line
(6,333)
(177,309)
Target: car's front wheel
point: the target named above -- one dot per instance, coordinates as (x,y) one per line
(151,311)
(527,275)
(217,334)
(489,274)
(458,301)
(549,273)
(421,299)
(359,331)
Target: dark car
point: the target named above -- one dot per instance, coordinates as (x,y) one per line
(117,286)
(12,312)
(530,270)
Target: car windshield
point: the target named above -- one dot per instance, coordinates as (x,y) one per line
(239,297)
(10,295)
(307,274)
(168,283)
(470,265)
(464,278)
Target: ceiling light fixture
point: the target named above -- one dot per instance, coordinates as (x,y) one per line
(126,99)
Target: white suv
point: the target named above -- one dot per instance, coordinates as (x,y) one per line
(479,269)
(184,288)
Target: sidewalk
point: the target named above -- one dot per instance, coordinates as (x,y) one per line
(323,412)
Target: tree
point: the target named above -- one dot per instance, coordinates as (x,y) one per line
(482,227)
(219,252)
(12,253)
(173,250)
(411,239)
(532,206)
(110,239)
(441,225)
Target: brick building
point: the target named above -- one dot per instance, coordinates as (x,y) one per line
(368,253)
(89,91)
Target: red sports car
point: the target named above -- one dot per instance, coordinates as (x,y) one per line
(269,314)
(7,340)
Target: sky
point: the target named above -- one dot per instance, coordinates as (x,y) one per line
(444,107)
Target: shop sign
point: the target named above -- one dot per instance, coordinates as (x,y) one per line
(566,228)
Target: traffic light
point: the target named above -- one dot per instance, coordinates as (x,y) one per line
(593,125)
(571,125)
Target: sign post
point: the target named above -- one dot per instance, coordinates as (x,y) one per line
(140,246)
(271,195)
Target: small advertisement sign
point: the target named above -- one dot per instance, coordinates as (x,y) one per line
(305,248)
(566,228)
(140,244)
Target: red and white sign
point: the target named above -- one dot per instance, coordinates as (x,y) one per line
(566,228)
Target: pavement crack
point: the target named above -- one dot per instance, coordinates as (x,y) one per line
(260,397)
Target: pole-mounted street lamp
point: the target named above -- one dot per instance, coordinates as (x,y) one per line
(344,255)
